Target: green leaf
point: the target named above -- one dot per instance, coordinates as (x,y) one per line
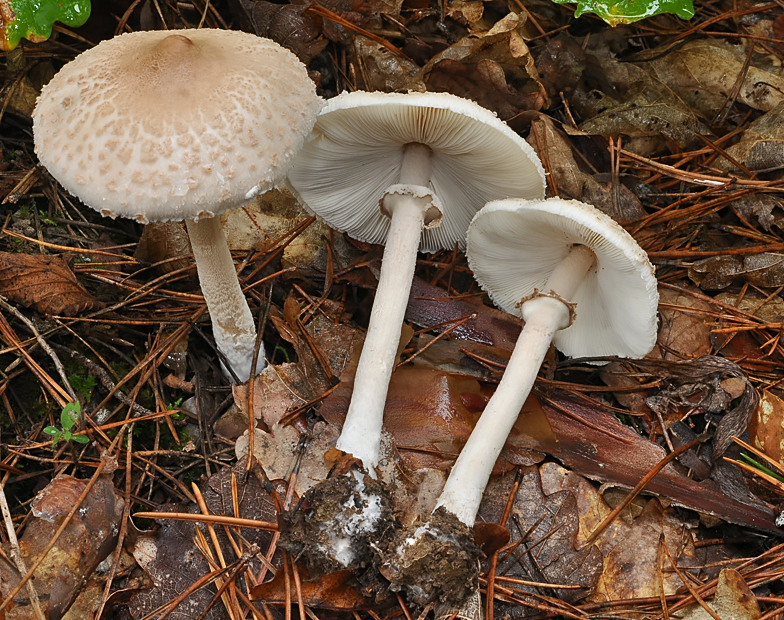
(33,19)
(67,435)
(70,415)
(51,430)
(80,438)
(616,12)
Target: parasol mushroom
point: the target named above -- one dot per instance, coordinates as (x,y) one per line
(183,125)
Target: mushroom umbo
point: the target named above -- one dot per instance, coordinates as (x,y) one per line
(180,125)
(408,171)
(577,279)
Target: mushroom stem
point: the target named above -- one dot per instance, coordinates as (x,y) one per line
(544,315)
(232,322)
(361,434)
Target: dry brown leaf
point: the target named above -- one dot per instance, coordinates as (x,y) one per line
(685,332)
(761,146)
(548,519)
(634,568)
(766,427)
(333,591)
(704,71)
(380,69)
(716,272)
(483,66)
(733,600)
(89,538)
(45,283)
(290,25)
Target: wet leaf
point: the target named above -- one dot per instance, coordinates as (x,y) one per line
(33,19)
(616,12)
(490,537)
(45,283)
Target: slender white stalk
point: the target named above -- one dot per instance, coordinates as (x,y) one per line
(232,322)
(361,434)
(544,316)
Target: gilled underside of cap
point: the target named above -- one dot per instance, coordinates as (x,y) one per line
(514,245)
(356,150)
(170,125)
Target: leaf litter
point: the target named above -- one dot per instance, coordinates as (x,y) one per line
(672,128)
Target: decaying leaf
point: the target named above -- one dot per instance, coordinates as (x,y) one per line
(734,599)
(89,538)
(716,272)
(45,283)
(766,427)
(761,146)
(484,66)
(335,591)
(704,71)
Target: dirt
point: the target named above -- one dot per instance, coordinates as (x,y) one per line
(339,524)
(435,560)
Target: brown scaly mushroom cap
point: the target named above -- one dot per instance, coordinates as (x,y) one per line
(162,126)
(181,125)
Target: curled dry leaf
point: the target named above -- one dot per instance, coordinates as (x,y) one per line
(89,538)
(45,283)
(290,25)
(166,246)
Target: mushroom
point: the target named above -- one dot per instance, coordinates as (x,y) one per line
(409,171)
(577,279)
(161,126)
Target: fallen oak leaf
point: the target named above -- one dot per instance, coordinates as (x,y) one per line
(45,283)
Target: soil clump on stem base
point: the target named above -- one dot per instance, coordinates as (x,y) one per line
(439,561)
(339,524)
